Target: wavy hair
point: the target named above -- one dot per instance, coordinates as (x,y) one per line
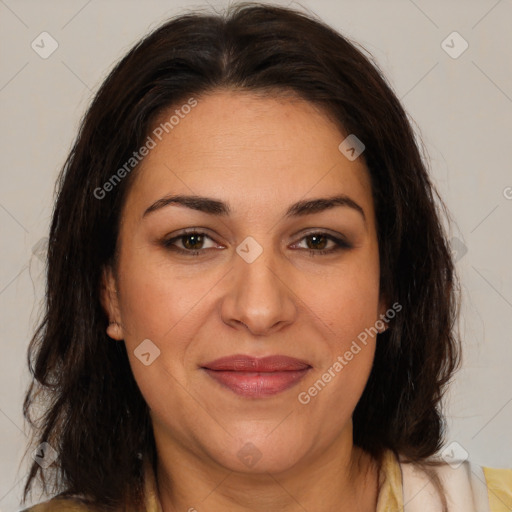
(93,413)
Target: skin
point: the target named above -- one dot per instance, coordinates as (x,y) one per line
(259,155)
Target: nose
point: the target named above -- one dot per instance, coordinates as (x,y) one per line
(259,297)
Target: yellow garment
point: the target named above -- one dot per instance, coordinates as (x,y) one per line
(390,499)
(499,488)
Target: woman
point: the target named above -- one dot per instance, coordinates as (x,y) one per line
(251,299)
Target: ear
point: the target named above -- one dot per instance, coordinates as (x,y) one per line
(110,303)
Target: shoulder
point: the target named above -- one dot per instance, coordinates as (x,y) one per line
(499,488)
(61,505)
(78,503)
(464,483)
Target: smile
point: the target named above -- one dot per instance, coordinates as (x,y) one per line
(257,377)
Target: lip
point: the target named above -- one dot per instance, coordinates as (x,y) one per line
(257,377)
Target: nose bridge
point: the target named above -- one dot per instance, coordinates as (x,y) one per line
(257,297)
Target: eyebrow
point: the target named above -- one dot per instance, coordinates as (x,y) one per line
(216,207)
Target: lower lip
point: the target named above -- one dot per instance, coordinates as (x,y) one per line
(257,384)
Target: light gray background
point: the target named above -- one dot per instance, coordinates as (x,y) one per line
(462,108)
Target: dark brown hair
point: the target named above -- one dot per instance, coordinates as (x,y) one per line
(94,414)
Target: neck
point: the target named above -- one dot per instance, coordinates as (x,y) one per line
(343,478)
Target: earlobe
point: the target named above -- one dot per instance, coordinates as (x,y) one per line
(115,331)
(110,303)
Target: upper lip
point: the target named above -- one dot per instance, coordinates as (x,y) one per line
(244,363)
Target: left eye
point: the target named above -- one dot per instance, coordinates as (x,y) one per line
(319,242)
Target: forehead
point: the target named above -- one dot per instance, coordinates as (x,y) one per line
(249,150)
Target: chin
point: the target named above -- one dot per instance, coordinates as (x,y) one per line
(260,453)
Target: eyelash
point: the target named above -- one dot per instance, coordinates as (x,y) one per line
(340,244)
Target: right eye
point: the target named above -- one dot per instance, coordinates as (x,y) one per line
(190,243)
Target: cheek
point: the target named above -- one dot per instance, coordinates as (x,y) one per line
(347,306)
(336,387)
(156,300)
(346,301)
(159,305)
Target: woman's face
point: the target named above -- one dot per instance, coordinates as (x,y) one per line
(253,282)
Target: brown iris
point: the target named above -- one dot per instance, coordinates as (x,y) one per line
(193,241)
(316,241)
